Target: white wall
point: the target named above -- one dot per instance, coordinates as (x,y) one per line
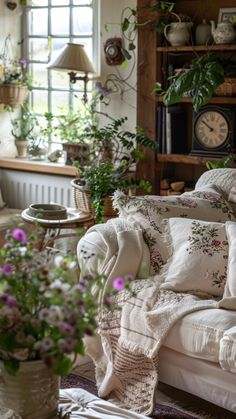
(9,23)
(118,107)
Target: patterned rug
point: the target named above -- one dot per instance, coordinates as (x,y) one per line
(174,404)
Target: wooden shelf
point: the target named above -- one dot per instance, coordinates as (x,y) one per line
(183,159)
(198,48)
(223,100)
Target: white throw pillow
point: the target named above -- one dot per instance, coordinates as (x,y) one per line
(149,211)
(230,287)
(199,256)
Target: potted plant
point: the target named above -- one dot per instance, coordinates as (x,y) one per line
(199,80)
(46,310)
(71,129)
(113,153)
(23,129)
(14,80)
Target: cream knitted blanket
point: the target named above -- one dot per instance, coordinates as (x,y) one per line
(126,351)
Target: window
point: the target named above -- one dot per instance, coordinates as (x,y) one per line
(47,26)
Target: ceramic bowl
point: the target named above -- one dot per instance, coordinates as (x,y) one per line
(48,211)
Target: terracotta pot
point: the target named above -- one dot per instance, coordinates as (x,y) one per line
(33,393)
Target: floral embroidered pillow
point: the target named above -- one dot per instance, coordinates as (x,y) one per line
(199,256)
(149,211)
(230,287)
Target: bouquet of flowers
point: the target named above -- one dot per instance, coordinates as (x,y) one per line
(45,308)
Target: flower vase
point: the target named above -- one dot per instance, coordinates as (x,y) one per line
(33,393)
(22,148)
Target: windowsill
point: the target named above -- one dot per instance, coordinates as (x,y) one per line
(38,167)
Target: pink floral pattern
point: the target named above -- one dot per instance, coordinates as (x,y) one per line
(150,211)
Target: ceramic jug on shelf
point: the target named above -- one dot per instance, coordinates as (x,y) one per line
(224,33)
(203,35)
(178,33)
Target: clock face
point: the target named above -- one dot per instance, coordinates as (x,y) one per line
(211,129)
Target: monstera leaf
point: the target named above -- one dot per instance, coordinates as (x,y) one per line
(200,81)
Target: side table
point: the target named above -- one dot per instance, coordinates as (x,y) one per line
(53,228)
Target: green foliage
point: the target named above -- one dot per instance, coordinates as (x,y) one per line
(73,126)
(46,307)
(222,163)
(113,150)
(23,127)
(205,74)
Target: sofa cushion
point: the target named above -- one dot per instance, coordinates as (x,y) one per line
(199,334)
(230,287)
(227,355)
(225,179)
(199,256)
(149,212)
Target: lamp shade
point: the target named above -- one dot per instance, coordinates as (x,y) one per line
(72,58)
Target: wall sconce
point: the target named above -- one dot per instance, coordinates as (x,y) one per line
(73,59)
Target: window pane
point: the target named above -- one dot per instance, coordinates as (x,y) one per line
(38,21)
(40,101)
(82,2)
(39,75)
(60,102)
(82,20)
(59,2)
(59,79)
(37,2)
(60,21)
(38,49)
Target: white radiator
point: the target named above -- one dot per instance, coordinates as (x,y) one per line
(20,189)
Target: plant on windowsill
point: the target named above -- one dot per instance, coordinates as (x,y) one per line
(23,129)
(114,152)
(71,129)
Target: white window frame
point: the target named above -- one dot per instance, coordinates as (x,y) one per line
(72,38)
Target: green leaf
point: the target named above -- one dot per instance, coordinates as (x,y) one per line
(126,53)
(106,27)
(125,24)
(62,366)
(11,366)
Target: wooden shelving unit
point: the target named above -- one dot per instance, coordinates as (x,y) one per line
(152,61)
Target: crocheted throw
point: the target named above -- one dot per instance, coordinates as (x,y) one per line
(126,351)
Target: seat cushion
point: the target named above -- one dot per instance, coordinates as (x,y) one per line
(227,356)
(199,334)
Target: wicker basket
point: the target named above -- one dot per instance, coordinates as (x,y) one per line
(228,88)
(13,94)
(83,202)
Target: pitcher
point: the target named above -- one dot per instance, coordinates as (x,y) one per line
(178,33)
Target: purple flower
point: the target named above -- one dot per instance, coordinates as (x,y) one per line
(104,91)
(7,269)
(23,63)
(19,234)
(118,283)
(9,300)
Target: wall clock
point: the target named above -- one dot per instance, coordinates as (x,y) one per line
(214,132)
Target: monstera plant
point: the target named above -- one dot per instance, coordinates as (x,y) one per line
(199,81)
